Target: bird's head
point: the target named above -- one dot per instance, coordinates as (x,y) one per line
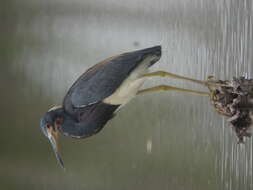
(49,125)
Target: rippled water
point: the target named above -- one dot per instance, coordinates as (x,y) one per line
(158,141)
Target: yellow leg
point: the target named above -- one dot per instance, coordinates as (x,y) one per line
(171,75)
(167,88)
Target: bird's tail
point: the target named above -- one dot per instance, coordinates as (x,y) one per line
(152,51)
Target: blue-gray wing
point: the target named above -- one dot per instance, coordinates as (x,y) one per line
(101,80)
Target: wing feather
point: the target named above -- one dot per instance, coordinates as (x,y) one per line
(101,80)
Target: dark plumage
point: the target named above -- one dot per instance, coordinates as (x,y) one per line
(101,80)
(85,111)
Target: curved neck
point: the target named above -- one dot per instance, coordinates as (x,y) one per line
(72,127)
(91,121)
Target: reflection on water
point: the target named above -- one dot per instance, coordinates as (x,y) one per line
(164,140)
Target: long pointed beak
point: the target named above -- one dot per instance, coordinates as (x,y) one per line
(52,136)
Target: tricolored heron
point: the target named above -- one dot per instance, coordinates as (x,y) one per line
(100,92)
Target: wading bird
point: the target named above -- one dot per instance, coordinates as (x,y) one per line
(100,92)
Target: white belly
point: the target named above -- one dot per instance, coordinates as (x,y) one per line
(129,88)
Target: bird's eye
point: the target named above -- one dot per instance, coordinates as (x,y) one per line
(59,121)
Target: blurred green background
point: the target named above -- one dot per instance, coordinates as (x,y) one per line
(159,141)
